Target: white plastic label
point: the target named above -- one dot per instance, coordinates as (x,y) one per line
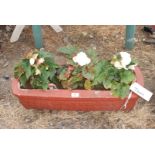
(141,91)
(75,95)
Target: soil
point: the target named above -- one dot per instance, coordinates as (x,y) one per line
(107,40)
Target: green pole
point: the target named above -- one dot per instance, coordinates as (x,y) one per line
(37,36)
(130,36)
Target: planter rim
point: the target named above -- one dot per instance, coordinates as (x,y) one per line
(65,93)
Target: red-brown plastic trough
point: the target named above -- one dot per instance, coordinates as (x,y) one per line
(84,100)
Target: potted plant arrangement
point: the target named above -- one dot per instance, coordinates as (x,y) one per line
(84,83)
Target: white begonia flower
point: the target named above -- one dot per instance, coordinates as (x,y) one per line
(37,72)
(31,61)
(118,65)
(82,59)
(125,59)
(33,58)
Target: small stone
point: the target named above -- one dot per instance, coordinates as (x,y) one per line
(84,34)
(6,77)
(94,47)
(28,120)
(91,36)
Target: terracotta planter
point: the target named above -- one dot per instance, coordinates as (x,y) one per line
(84,100)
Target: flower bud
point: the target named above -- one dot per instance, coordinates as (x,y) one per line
(32,61)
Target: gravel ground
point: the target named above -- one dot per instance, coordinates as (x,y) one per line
(106,40)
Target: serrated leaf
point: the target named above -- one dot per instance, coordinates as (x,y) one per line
(45,86)
(101,67)
(38,83)
(107,84)
(127,76)
(114,85)
(18,71)
(50,63)
(86,74)
(44,54)
(98,79)
(124,91)
(74,82)
(23,80)
(76,71)
(52,74)
(45,75)
(27,68)
(92,54)
(74,79)
(69,50)
(62,74)
(121,91)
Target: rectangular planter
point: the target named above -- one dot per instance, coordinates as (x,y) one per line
(84,100)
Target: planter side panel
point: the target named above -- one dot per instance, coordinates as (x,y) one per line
(75,104)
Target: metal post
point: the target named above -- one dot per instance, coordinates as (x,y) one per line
(130,36)
(37,36)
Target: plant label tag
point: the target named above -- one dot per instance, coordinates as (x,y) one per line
(141,91)
(74,95)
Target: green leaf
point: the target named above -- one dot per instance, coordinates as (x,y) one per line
(23,80)
(50,63)
(62,74)
(44,54)
(127,76)
(87,74)
(18,71)
(74,82)
(74,79)
(101,67)
(74,86)
(44,76)
(52,74)
(76,71)
(114,85)
(121,91)
(45,86)
(92,54)
(98,79)
(28,72)
(107,84)
(69,50)
(39,83)
(27,68)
